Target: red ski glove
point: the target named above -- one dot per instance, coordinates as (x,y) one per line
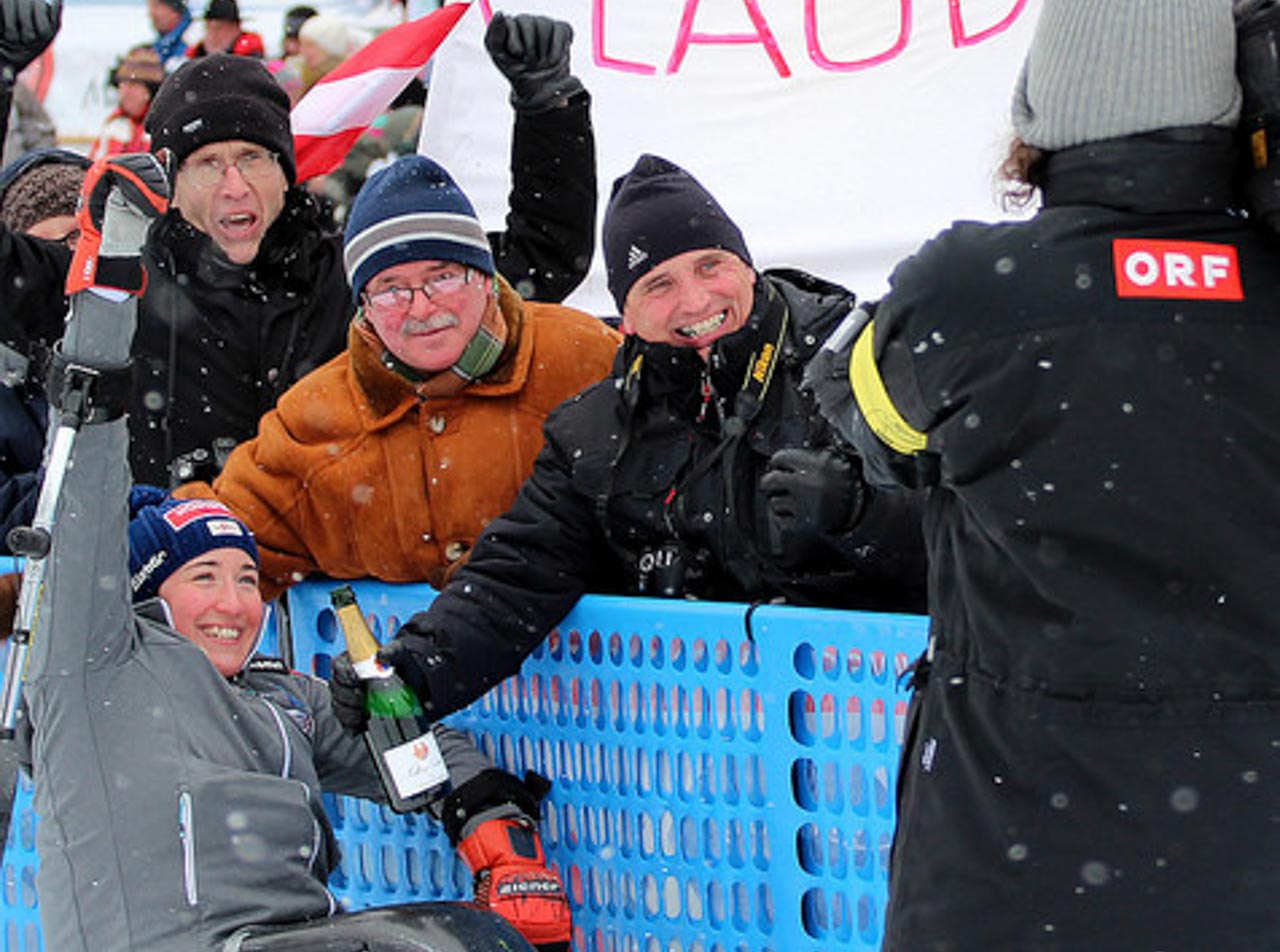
(121,196)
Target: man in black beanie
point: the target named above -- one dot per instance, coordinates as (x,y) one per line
(247,291)
(698,470)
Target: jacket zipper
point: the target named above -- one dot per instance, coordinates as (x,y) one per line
(188,836)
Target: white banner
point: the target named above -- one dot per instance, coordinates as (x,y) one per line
(838,134)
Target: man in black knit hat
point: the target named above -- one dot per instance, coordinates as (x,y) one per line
(247,291)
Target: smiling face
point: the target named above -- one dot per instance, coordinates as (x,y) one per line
(691,300)
(431,334)
(235,210)
(215,603)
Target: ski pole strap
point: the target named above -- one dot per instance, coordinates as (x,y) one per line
(89,394)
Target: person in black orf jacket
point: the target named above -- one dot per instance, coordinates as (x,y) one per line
(1091,758)
(247,292)
(697,470)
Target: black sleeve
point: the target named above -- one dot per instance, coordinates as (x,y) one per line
(33,273)
(526,572)
(546,250)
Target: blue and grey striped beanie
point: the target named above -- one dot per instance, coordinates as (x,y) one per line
(411,211)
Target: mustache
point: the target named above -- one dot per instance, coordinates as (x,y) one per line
(425,325)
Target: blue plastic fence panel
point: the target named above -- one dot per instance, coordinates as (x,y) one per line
(720,784)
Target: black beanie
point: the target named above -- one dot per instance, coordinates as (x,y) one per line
(217,98)
(658,211)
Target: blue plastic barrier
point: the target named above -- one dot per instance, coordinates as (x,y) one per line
(713,792)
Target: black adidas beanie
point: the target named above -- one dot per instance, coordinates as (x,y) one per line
(217,98)
(658,211)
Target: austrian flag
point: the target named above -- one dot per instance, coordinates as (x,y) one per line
(335,111)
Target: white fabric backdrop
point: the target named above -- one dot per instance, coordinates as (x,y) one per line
(841,170)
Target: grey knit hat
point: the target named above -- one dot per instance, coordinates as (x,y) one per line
(1101,69)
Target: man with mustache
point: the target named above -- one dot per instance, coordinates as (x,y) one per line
(388,461)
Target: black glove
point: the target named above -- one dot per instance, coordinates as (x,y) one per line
(533,53)
(346,693)
(27,27)
(121,195)
(812,492)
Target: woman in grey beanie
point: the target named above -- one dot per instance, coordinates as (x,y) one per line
(1091,754)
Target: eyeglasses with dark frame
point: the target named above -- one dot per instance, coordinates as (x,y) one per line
(395,301)
(256,165)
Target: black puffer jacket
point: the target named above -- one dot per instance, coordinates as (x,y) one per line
(638,472)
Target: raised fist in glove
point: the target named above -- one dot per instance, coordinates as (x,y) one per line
(27,27)
(121,196)
(532,51)
(811,492)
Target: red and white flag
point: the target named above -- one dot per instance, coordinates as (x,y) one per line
(335,111)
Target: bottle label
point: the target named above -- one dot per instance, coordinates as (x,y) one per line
(416,766)
(371,669)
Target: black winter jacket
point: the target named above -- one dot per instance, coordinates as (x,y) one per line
(217,343)
(1092,762)
(646,478)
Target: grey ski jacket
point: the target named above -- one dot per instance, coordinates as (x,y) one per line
(175,805)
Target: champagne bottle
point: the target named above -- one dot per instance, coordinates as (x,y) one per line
(399,735)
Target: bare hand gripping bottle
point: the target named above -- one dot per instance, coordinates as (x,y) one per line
(398,734)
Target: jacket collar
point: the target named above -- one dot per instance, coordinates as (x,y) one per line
(1190,169)
(390,395)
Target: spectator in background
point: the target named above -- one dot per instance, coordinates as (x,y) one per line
(223,33)
(28,28)
(1089,396)
(137,77)
(38,197)
(30,125)
(172,22)
(294,17)
(287,66)
(324,41)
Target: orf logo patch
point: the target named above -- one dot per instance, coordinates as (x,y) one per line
(1181,270)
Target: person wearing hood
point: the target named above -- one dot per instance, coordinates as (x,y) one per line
(38,196)
(1091,757)
(247,292)
(178,773)
(698,469)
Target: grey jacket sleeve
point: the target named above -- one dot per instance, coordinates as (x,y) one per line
(85,615)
